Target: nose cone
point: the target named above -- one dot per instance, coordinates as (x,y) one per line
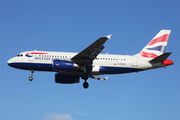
(9,62)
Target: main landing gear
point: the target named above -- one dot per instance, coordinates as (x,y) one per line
(85,84)
(31,77)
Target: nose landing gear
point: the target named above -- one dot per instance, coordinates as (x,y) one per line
(31,77)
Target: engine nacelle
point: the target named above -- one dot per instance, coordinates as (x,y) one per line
(66,79)
(64,65)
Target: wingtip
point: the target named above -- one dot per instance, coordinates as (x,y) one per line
(109,36)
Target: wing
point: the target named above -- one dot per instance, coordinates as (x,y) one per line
(86,57)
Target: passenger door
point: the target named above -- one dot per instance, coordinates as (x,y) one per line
(135,61)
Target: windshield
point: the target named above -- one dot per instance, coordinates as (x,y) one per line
(19,55)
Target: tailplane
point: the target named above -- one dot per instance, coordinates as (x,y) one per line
(160,58)
(163,59)
(157,45)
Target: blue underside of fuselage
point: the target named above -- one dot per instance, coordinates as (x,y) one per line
(117,70)
(48,67)
(32,66)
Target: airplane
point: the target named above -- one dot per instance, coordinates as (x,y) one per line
(89,63)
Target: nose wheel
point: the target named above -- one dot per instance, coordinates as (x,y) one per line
(31,77)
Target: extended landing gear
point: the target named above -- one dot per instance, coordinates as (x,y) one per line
(31,77)
(85,84)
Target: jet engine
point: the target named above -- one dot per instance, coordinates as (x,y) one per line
(63,65)
(66,79)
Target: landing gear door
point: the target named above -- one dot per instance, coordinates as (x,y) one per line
(135,61)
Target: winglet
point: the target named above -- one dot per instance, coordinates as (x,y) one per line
(105,78)
(109,36)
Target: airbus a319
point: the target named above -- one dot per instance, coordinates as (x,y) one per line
(89,63)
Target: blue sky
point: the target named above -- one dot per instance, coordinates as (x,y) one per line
(60,25)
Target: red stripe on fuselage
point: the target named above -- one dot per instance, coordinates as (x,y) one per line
(163,38)
(36,53)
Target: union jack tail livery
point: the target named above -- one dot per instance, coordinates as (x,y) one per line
(157,45)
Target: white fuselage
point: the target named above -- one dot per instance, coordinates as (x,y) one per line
(104,64)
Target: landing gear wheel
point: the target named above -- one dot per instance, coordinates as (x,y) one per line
(30,78)
(85,85)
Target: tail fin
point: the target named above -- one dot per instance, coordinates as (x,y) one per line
(157,45)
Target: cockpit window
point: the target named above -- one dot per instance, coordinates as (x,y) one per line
(19,55)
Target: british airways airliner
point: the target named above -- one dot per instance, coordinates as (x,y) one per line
(70,67)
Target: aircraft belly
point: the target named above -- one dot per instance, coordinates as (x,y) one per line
(32,66)
(118,70)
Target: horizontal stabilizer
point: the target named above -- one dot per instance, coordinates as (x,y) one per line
(160,58)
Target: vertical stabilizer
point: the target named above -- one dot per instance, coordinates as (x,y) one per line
(157,45)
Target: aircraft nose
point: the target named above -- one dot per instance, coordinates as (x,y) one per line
(9,62)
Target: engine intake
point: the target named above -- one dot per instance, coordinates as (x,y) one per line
(64,65)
